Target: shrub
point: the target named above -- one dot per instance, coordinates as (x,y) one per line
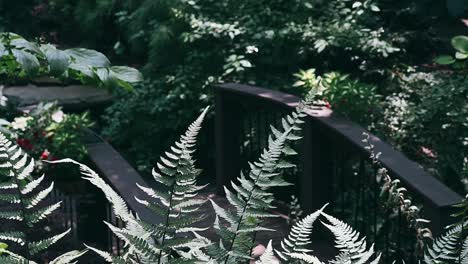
(354,99)
(426,118)
(46,133)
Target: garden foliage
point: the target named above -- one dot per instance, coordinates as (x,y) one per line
(45,132)
(21,60)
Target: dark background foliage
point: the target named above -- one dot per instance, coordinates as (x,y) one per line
(185,46)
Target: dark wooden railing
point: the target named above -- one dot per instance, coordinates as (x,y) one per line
(334,168)
(84,207)
(334,165)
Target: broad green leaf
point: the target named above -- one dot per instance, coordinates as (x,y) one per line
(22,44)
(84,69)
(58,59)
(126,74)
(28,61)
(103,74)
(88,57)
(444,60)
(460,43)
(461,56)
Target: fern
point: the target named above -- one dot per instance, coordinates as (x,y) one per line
(22,191)
(353,249)
(451,247)
(252,198)
(294,246)
(445,248)
(146,242)
(268,257)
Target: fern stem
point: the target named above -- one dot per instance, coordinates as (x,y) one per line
(169,209)
(23,212)
(247,204)
(257,177)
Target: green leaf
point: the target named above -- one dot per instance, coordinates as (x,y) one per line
(58,59)
(126,74)
(28,61)
(88,57)
(22,44)
(460,43)
(2,49)
(103,74)
(444,60)
(461,56)
(82,68)
(374,8)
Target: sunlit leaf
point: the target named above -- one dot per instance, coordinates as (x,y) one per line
(126,74)
(29,63)
(444,60)
(58,60)
(460,43)
(89,57)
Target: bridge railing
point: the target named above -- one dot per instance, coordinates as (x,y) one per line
(334,165)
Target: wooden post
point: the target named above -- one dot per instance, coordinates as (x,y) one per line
(440,217)
(227,127)
(316,181)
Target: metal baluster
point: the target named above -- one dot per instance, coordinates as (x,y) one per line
(399,234)
(110,235)
(375,193)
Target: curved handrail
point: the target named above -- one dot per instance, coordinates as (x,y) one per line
(409,172)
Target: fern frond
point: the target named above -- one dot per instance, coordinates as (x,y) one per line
(464,252)
(69,257)
(119,206)
(25,192)
(252,197)
(445,248)
(145,242)
(268,257)
(36,247)
(353,247)
(299,237)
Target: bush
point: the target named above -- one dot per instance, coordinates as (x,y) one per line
(426,118)
(46,133)
(354,99)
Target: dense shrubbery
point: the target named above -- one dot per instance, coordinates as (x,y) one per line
(255,45)
(184,46)
(356,100)
(426,117)
(197,43)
